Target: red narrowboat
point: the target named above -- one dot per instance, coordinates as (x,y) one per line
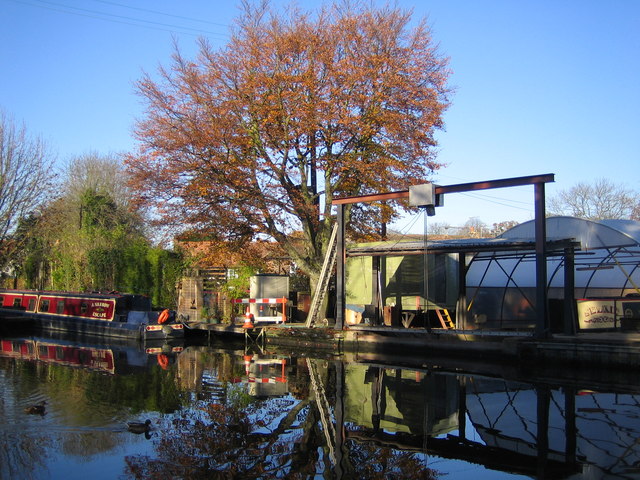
(108,314)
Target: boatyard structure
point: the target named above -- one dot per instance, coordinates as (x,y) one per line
(524,294)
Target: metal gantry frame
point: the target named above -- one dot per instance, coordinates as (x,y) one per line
(538,181)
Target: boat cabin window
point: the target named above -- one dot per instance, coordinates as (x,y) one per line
(60,307)
(1,301)
(84,307)
(17,302)
(32,304)
(44,305)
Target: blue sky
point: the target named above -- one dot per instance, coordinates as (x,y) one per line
(541,86)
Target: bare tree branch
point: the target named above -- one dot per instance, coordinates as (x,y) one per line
(600,200)
(26,179)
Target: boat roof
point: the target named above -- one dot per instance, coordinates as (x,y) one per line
(88,295)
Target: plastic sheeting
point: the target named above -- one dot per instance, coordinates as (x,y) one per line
(607,264)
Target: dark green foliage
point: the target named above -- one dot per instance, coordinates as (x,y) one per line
(138,268)
(95,244)
(103,263)
(98,211)
(166,268)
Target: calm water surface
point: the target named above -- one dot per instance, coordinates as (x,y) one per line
(236,412)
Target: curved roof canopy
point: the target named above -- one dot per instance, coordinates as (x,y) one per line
(607,257)
(591,234)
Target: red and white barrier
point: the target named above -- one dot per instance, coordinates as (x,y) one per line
(265,301)
(260,300)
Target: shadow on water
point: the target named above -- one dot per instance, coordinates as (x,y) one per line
(224,411)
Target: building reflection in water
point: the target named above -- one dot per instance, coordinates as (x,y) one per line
(538,430)
(381,400)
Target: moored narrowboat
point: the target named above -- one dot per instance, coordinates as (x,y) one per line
(110,314)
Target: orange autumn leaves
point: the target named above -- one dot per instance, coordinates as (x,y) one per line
(254,140)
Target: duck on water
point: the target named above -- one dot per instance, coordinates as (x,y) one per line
(37,409)
(140,428)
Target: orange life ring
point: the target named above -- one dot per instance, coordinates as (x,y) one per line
(163,361)
(164,316)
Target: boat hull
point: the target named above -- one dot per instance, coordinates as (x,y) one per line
(93,327)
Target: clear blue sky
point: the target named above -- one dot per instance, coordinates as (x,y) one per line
(542,86)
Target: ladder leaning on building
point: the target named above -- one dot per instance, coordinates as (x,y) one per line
(323,282)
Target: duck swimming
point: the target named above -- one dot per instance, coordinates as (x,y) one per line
(37,409)
(139,427)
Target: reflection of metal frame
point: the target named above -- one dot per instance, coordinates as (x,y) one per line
(537,456)
(592,419)
(254,337)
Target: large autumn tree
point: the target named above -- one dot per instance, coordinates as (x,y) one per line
(255,139)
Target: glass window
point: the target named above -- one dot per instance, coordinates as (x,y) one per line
(32,304)
(17,302)
(44,306)
(60,307)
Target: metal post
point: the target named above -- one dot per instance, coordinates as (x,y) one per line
(375,288)
(461,305)
(542,318)
(339,416)
(569,313)
(340,270)
(462,408)
(570,425)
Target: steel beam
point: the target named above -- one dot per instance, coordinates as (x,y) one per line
(442,189)
(341,253)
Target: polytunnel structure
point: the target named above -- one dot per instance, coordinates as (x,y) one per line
(501,289)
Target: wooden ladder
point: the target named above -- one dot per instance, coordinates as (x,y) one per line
(325,276)
(445,318)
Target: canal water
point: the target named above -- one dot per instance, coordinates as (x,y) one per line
(246,411)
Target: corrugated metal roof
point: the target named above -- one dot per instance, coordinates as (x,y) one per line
(464,245)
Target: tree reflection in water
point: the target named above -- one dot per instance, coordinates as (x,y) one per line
(25,455)
(243,436)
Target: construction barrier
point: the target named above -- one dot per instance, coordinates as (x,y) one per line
(270,302)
